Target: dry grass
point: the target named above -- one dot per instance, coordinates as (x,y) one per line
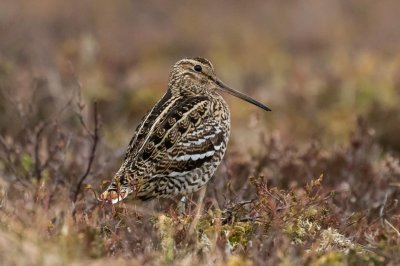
(317,183)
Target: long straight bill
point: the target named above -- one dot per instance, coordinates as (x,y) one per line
(240,95)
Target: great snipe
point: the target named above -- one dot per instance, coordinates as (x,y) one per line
(180,143)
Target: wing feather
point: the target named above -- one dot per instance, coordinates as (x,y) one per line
(184,139)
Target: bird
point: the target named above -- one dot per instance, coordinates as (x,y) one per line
(181,141)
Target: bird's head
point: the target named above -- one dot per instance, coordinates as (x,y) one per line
(196,76)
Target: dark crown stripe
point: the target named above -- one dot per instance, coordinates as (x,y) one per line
(203,61)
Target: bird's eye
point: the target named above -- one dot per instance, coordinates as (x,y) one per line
(197,68)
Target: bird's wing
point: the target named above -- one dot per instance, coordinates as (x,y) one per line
(183,139)
(187,132)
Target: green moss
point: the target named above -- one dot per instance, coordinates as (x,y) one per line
(165,228)
(27,162)
(238,233)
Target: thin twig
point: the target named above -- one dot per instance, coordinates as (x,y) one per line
(38,165)
(392,226)
(382,213)
(8,152)
(95,137)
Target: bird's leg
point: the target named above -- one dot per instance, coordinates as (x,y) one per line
(181,206)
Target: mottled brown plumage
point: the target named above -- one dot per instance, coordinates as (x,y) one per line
(180,143)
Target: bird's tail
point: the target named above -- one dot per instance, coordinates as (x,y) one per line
(118,190)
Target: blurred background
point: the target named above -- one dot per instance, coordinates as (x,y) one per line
(329,70)
(317,64)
